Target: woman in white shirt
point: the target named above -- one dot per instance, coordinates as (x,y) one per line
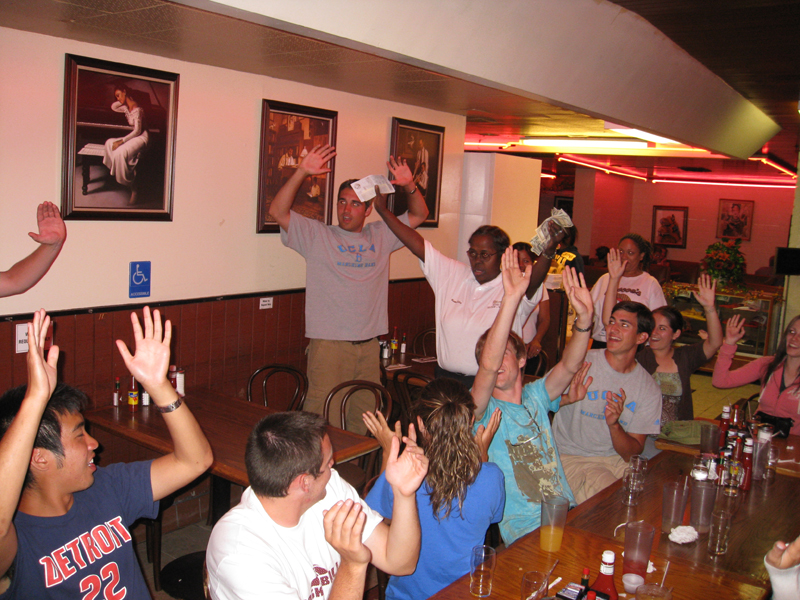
(122,154)
(636,284)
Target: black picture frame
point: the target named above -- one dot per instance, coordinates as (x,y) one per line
(670,226)
(141,185)
(735,219)
(406,137)
(291,130)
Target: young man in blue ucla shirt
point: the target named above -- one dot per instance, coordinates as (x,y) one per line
(347,281)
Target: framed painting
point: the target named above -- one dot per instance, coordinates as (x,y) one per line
(422,147)
(119,141)
(669,226)
(735,219)
(288,133)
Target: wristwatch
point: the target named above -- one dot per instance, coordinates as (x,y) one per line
(578,329)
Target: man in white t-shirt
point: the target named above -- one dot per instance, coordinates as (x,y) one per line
(597,436)
(347,281)
(300,530)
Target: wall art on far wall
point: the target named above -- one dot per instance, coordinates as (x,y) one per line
(735,219)
(422,147)
(119,141)
(288,133)
(669,226)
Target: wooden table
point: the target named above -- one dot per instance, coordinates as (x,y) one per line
(763,515)
(581,549)
(425,368)
(788,461)
(227,423)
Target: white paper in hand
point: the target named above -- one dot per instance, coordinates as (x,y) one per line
(365,188)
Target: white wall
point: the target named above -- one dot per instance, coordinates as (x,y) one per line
(210,248)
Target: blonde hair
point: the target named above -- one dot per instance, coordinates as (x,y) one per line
(446,409)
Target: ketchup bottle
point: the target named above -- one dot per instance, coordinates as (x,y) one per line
(605,580)
(747,465)
(724,424)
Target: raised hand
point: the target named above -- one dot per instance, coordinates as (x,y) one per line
(42,374)
(52,230)
(378,427)
(149,364)
(579,295)
(314,163)
(406,472)
(614,406)
(380,201)
(515,282)
(400,172)
(783,555)
(578,386)
(484,435)
(734,329)
(344,526)
(706,293)
(616,266)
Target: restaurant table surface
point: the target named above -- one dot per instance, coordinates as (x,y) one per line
(788,460)
(423,368)
(226,421)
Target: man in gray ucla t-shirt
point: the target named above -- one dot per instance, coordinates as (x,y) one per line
(347,280)
(597,436)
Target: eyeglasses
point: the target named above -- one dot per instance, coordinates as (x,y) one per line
(484,255)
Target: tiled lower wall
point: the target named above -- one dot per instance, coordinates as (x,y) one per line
(219,342)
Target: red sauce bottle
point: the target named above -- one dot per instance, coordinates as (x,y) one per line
(605,579)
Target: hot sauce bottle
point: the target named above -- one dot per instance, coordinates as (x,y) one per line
(133,395)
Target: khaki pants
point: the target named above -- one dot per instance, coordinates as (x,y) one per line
(331,362)
(587,475)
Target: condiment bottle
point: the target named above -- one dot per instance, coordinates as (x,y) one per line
(394,340)
(585,577)
(173,376)
(747,465)
(605,579)
(761,451)
(403,345)
(133,395)
(724,425)
(115,397)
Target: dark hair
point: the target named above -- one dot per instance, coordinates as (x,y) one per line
(446,409)
(672,315)
(520,350)
(346,184)
(499,238)
(644,247)
(525,247)
(64,400)
(602,252)
(780,356)
(644,318)
(570,237)
(281,447)
(122,86)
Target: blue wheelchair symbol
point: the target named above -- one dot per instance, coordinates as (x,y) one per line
(139,279)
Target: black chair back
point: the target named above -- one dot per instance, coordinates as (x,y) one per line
(424,343)
(300,381)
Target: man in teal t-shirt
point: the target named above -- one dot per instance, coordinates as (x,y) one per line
(523,446)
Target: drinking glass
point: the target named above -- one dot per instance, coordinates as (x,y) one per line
(483,561)
(653,591)
(718,534)
(534,585)
(554,517)
(632,486)
(772,459)
(676,494)
(638,544)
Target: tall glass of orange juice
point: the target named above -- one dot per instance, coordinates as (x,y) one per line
(554,517)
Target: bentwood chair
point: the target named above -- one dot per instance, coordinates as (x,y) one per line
(408,386)
(268,371)
(536,367)
(424,342)
(357,472)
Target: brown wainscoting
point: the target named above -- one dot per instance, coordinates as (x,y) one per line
(218,341)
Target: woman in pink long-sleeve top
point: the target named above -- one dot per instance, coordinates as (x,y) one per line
(779,375)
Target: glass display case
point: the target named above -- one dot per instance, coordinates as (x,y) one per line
(761,309)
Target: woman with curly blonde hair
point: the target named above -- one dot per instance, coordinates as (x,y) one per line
(461,495)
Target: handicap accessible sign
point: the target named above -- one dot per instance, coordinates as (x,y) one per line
(139,279)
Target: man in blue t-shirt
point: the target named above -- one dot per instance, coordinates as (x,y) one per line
(523,446)
(64,523)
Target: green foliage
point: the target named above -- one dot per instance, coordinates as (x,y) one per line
(725,262)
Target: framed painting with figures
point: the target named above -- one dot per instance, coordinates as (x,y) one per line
(119,141)
(735,219)
(288,133)
(670,226)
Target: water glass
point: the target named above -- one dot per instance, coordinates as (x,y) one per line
(676,494)
(534,585)
(718,534)
(632,486)
(638,544)
(709,438)
(554,517)
(653,591)
(772,459)
(704,494)
(481,572)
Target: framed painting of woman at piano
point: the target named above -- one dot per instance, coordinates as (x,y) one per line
(119,141)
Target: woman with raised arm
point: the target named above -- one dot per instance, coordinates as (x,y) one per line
(635,283)
(671,366)
(461,495)
(779,375)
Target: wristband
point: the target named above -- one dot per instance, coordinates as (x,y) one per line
(578,329)
(549,256)
(170,407)
(412,192)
